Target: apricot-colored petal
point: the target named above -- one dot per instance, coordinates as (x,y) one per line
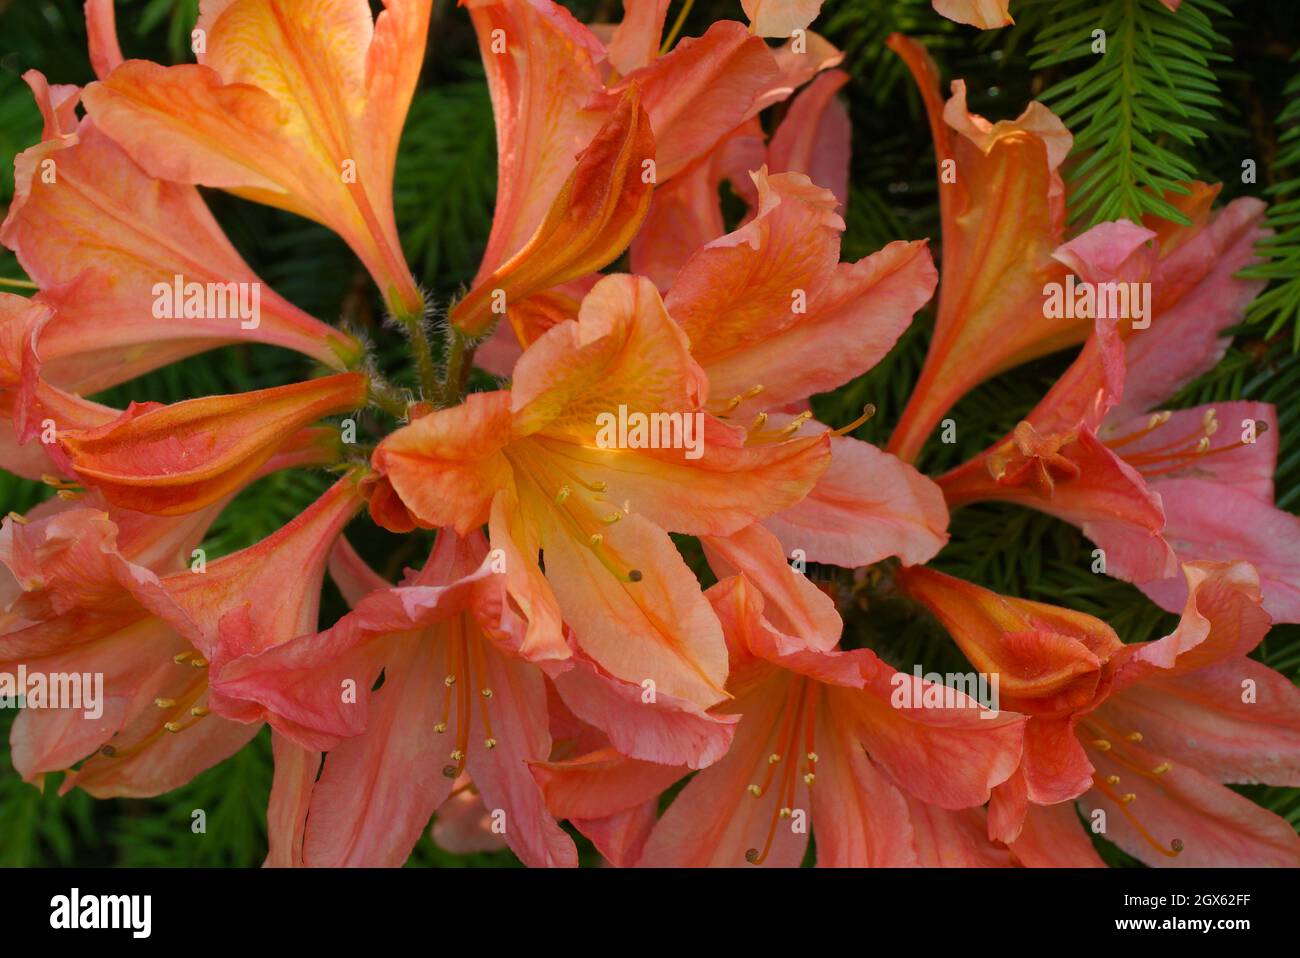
(658,627)
(1241,452)
(1053,837)
(294,104)
(591,221)
(1207,520)
(1222,619)
(745,286)
(112,246)
(378,790)
(701,91)
(850,324)
(168,460)
(623,350)
(660,730)
(1217,827)
(714,820)
(726,488)
(862,818)
(1197,296)
(947,839)
(501,773)
(1002,219)
(686,212)
(780,18)
(447,465)
(1047,657)
(813,137)
(636,39)
(985,14)
(547,98)
(791,603)
(1106,497)
(1206,719)
(286,812)
(849,522)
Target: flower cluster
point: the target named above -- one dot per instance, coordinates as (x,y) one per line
(556,658)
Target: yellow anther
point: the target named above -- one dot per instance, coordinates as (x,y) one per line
(563,495)
(21,520)
(1162,768)
(786,813)
(773,758)
(440,727)
(1101,744)
(1203,445)
(598,486)
(199,662)
(199,711)
(449,681)
(759,421)
(172,726)
(812,756)
(809,778)
(1112,779)
(180,658)
(486,693)
(612,518)
(755,791)
(1128,797)
(165,703)
(457,756)
(489,743)
(1135,736)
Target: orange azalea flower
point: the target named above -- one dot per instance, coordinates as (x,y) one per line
(100,595)
(1003,209)
(446,640)
(821,737)
(532,463)
(103,236)
(593,218)
(1146,730)
(454,702)
(291,104)
(555,97)
(169,460)
(1153,489)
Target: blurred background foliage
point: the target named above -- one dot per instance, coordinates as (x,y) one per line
(1176,97)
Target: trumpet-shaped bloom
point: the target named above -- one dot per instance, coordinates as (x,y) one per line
(291,103)
(454,701)
(1144,731)
(1155,488)
(1002,204)
(557,94)
(173,459)
(823,739)
(545,464)
(137,271)
(101,594)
